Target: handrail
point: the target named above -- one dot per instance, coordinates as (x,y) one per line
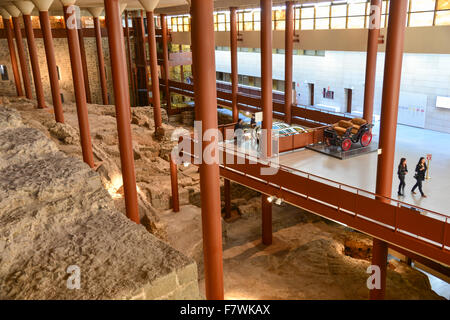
(359,190)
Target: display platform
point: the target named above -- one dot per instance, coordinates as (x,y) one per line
(336,151)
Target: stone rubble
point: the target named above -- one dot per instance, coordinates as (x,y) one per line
(56,213)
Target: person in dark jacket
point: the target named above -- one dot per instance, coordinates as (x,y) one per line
(421,170)
(402,171)
(253,121)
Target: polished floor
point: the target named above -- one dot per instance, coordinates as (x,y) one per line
(360,172)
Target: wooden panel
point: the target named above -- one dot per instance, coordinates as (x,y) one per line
(286,143)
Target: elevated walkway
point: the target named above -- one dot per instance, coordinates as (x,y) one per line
(423,232)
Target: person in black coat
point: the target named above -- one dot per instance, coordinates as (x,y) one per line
(421,170)
(402,171)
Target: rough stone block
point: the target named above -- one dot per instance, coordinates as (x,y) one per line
(161,286)
(187,274)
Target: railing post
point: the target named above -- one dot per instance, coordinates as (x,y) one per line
(266,211)
(174,184)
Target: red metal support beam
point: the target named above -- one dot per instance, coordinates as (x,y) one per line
(289,56)
(34,62)
(174,185)
(180,48)
(143,54)
(227,197)
(51,65)
(130,61)
(22,59)
(371,61)
(165,49)
(389,113)
(78,84)
(122,101)
(101,61)
(266,212)
(84,64)
(234,63)
(12,53)
(156,99)
(266,75)
(202,36)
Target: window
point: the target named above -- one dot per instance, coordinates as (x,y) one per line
(421,13)
(58,72)
(4,72)
(339,16)
(307,18)
(443,14)
(179,23)
(222,21)
(279,19)
(357,15)
(322,17)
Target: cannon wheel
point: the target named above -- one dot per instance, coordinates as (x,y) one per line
(346,144)
(366,138)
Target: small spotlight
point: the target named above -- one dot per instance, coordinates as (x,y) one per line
(186,164)
(278,202)
(270,199)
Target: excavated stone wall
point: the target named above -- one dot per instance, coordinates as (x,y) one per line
(55,213)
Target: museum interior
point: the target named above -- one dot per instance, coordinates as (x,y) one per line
(224,150)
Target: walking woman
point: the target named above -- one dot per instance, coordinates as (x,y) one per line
(421,170)
(402,171)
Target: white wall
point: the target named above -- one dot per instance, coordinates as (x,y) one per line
(427,74)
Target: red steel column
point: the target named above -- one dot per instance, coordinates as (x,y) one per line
(181,67)
(234,63)
(145,55)
(34,62)
(266,211)
(101,60)
(288,55)
(122,100)
(266,75)
(22,59)
(227,196)
(130,62)
(154,70)
(202,36)
(84,64)
(174,185)
(78,84)
(371,62)
(12,53)
(51,65)
(165,49)
(389,113)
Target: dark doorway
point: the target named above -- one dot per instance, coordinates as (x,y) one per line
(348,98)
(311,93)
